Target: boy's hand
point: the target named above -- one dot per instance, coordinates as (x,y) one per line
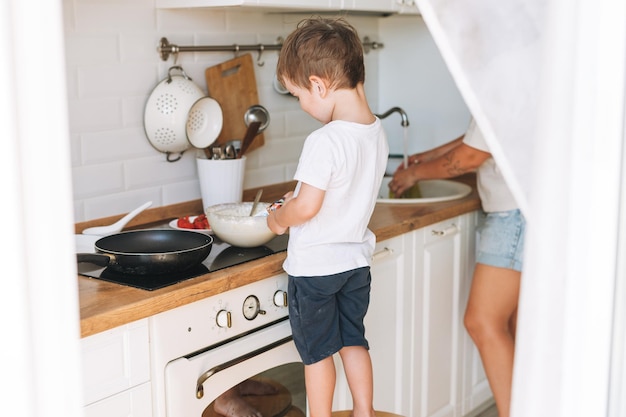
(287,197)
(271,218)
(273,225)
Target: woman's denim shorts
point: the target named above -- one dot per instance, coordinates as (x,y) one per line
(501,240)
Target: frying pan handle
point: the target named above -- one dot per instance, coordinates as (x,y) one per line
(99,259)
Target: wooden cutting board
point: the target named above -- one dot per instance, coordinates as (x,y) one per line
(233,85)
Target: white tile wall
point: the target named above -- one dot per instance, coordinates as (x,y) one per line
(113,65)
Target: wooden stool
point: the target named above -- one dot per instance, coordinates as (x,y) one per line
(346,413)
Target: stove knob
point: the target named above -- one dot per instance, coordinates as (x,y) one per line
(223,319)
(280,298)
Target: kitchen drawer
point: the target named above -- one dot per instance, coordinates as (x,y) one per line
(115,360)
(135,402)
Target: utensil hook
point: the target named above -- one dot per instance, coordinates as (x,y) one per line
(258,59)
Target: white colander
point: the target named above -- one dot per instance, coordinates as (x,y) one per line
(204,122)
(166,113)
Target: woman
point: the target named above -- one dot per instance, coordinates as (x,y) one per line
(491,312)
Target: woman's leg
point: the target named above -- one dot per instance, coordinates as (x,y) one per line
(490,321)
(319,379)
(358,367)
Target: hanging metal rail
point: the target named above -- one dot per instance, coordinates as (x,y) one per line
(165,48)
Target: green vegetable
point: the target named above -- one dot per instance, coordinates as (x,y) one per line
(413,192)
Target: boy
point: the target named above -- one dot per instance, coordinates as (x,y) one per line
(339,175)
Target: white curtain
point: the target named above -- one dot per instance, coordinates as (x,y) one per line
(493,50)
(545,82)
(38,300)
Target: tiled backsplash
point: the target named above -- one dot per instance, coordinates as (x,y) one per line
(113,65)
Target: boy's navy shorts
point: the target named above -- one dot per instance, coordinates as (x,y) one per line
(326,312)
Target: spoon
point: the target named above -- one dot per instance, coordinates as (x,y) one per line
(257,198)
(118,225)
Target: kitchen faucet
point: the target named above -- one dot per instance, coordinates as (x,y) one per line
(405,118)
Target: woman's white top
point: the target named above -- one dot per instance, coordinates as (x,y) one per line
(492,189)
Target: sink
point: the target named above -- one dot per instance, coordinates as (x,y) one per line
(393,162)
(433,191)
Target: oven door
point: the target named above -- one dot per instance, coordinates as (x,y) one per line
(193,382)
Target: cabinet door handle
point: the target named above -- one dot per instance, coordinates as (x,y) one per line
(382,254)
(453,228)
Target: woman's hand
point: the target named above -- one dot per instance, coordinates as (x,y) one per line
(403,179)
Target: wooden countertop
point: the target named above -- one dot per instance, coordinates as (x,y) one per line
(105,305)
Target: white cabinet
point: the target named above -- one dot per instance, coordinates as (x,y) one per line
(320,5)
(439,270)
(387,323)
(407,7)
(387,329)
(383,6)
(448,375)
(301,4)
(116,372)
(134,402)
(386,6)
(424,363)
(475,387)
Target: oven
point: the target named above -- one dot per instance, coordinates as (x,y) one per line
(201,350)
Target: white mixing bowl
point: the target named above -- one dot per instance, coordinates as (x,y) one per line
(232,223)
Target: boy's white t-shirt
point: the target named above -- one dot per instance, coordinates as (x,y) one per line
(346,160)
(492,189)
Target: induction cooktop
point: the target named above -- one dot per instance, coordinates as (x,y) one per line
(222,256)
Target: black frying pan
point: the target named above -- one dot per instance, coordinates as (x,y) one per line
(154,251)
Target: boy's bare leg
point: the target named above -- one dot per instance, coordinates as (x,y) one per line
(319,379)
(358,366)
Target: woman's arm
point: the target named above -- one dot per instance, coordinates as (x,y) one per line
(456,161)
(434,153)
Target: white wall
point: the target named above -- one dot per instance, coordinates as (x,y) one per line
(113,65)
(413,76)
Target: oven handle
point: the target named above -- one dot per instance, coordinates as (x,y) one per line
(208,374)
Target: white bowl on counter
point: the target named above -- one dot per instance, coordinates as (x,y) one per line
(232,223)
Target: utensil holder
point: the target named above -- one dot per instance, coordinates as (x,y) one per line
(221,180)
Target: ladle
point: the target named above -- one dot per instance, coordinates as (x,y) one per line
(257,113)
(118,225)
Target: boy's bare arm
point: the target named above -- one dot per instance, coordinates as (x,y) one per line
(296,210)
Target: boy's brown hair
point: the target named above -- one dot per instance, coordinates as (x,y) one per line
(328,48)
